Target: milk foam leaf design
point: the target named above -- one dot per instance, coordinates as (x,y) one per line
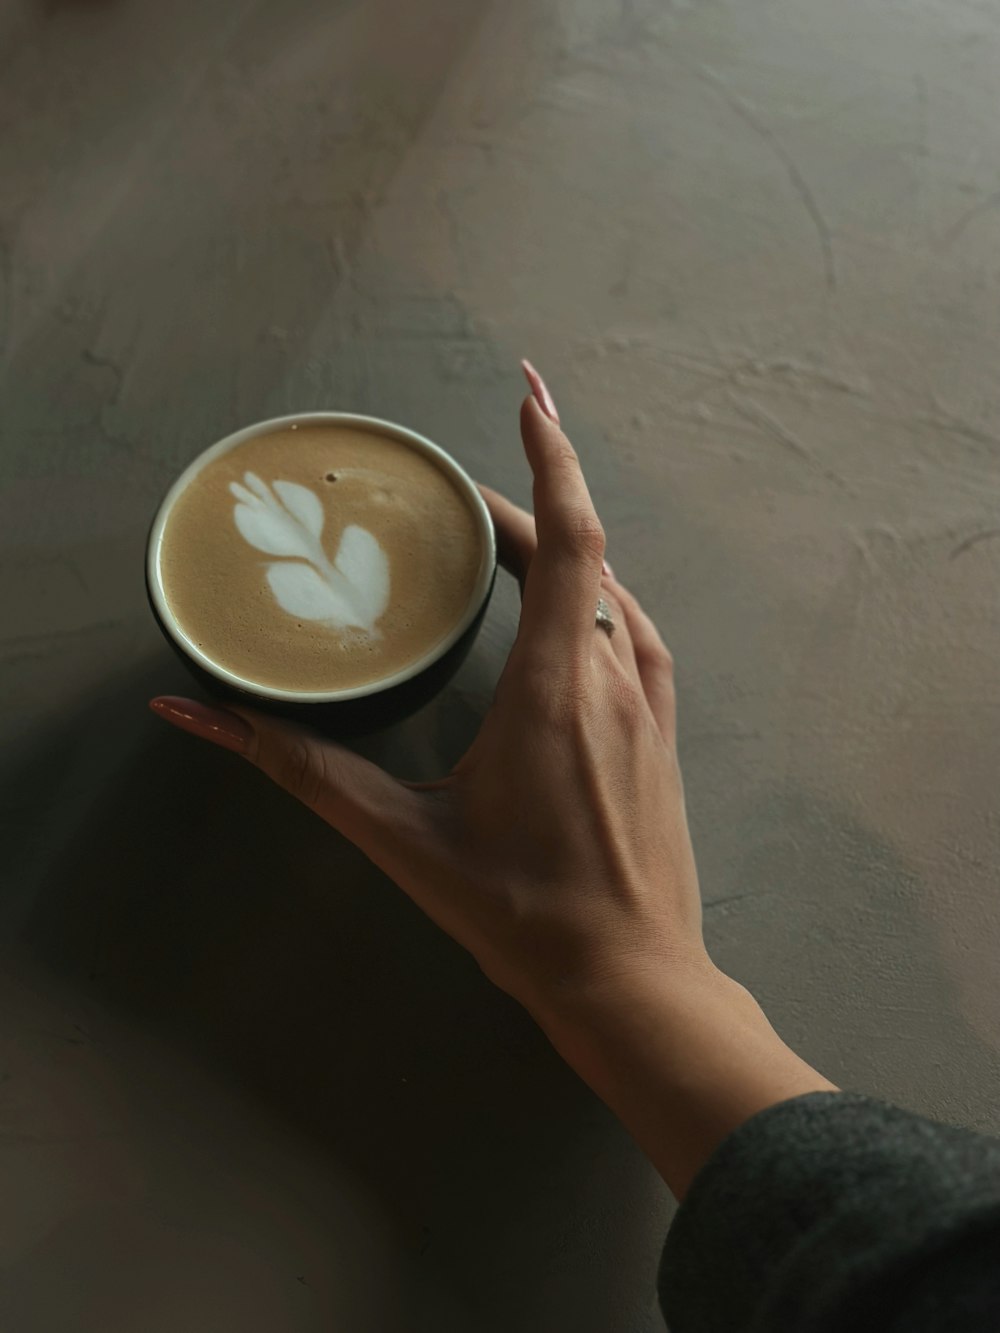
(304,593)
(273,527)
(303,504)
(287,520)
(365,567)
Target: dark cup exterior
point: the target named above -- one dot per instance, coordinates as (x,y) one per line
(346,717)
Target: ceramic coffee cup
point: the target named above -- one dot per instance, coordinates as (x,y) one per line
(360,708)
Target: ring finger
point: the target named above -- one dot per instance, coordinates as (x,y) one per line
(619,640)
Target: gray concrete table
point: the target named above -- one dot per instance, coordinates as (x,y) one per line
(244,1086)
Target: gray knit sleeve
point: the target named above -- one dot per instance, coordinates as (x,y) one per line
(835,1211)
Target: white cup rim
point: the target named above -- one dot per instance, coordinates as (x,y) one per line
(394,430)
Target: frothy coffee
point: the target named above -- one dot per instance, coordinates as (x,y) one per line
(318,558)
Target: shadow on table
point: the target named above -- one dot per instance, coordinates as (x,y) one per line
(171,880)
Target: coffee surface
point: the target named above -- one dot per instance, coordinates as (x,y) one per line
(319,557)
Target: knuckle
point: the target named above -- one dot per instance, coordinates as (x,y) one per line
(625,699)
(555,695)
(564,456)
(658,656)
(530,684)
(584,534)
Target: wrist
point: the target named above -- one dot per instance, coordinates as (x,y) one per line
(613,1002)
(682,1055)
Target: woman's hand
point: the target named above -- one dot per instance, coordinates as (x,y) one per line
(557,851)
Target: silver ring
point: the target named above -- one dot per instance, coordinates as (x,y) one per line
(605,620)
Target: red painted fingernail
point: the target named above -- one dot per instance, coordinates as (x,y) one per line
(607,569)
(211,724)
(541,392)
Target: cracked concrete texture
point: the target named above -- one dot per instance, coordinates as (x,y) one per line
(753,249)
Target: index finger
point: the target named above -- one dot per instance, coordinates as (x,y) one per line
(564,580)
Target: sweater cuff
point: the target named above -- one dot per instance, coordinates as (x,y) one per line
(813,1201)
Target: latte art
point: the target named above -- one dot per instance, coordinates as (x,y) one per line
(320,557)
(352,590)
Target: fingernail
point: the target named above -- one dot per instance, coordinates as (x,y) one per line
(217,725)
(607,569)
(541,392)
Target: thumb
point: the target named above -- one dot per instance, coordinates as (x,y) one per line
(353,795)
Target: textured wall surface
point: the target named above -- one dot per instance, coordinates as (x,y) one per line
(754,248)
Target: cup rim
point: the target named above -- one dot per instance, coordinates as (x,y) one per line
(394,430)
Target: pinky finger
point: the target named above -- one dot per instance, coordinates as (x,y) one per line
(653,662)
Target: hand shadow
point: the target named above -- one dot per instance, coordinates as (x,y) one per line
(192,894)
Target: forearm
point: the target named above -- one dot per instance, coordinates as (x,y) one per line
(681,1061)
